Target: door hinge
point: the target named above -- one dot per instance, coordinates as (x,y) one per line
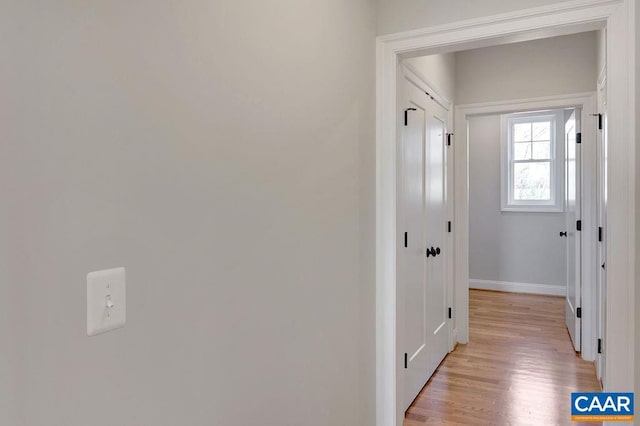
(599,117)
(405,360)
(406,115)
(578,137)
(449,137)
(599,346)
(579,225)
(449,226)
(579,312)
(406,239)
(449,313)
(599,233)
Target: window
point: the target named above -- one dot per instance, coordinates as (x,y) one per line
(532,167)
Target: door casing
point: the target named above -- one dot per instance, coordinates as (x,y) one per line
(617,16)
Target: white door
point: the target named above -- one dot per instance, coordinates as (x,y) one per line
(572,212)
(437,306)
(423,326)
(412,298)
(602,229)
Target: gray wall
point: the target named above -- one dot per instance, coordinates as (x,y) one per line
(222,152)
(515,246)
(546,67)
(637,200)
(439,71)
(507,246)
(395,16)
(10,325)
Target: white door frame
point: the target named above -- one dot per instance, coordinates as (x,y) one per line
(586,102)
(548,21)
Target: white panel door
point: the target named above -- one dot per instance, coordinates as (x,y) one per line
(412,298)
(437,305)
(572,212)
(423,325)
(602,231)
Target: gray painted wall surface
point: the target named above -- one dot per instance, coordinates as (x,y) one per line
(439,71)
(229,166)
(546,67)
(396,16)
(507,246)
(637,288)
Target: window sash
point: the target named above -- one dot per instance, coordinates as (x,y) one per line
(555,202)
(544,160)
(512,183)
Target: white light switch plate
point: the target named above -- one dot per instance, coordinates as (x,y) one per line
(106,300)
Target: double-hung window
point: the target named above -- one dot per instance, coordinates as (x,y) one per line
(532,166)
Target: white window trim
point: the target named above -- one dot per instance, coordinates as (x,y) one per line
(556,204)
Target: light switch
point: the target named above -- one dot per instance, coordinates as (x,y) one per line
(106,300)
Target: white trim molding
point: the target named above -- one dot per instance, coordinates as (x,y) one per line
(547,21)
(510,287)
(555,160)
(429,87)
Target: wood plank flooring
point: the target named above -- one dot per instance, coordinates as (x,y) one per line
(519,367)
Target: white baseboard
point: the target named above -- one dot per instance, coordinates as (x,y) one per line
(546,289)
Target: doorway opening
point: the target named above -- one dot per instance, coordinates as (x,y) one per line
(526,208)
(556,21)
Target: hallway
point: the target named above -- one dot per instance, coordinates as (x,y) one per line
(519,367)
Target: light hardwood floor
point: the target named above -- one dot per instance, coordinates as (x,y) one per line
(519,367)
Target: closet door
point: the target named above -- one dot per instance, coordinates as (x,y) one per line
(412,303)
(572,215)
(435,216)
(422,320)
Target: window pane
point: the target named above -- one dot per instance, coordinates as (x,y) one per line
(522,151)
(541,150)
(532,181)
(542,131)
(522,132)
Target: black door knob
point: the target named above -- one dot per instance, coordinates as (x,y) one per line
(563,234)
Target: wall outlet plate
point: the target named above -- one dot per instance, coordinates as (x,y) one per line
(106,300)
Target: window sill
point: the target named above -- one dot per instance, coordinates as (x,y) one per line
(532,209)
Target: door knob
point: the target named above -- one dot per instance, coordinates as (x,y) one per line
(433,251)
(563,234)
